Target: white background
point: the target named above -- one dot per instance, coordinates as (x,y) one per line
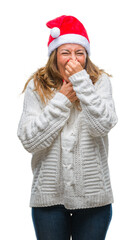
(23,49)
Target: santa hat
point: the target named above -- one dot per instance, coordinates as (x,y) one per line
(67,29)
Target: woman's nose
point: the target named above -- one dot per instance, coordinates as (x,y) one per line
(73,56)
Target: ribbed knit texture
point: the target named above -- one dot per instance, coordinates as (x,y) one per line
(70,148)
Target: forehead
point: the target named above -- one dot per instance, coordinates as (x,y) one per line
(71,46)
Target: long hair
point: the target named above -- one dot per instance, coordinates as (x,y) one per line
(47,79)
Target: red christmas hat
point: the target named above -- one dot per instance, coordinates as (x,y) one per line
(67,29)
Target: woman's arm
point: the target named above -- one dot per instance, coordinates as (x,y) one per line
(38,128)
(96,102)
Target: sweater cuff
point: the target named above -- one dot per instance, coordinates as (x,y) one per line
(82,75)
(62,98)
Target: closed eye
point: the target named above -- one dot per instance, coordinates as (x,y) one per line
(65,53)
(80,53)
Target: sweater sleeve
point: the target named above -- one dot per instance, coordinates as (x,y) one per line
(96,101)
(38,128)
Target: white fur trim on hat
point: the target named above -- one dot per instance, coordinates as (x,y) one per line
(69,38)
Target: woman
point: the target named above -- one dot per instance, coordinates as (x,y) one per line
(67,114)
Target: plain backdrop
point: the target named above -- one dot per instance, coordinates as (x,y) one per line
(23,49)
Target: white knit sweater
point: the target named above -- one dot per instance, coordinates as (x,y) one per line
(70,147)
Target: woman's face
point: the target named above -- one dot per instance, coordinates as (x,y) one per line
(70,51)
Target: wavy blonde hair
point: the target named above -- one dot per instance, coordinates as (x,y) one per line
(47,79)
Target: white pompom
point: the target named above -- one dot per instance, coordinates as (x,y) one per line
(55,32)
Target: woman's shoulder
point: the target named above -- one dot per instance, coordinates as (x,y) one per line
(30,92)
(103,77)
(103,80)
(30,84)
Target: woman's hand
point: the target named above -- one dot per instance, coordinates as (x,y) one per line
(68,91)
(72,67)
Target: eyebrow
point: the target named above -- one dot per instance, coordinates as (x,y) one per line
(64,50)
(80,50)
